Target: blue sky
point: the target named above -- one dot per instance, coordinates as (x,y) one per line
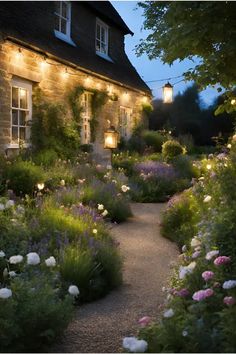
(153,69)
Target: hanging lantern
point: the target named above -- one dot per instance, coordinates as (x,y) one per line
(168,93)
(111,138)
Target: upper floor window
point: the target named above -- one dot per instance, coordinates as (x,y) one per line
(21,112)
(62,15)
(102,38)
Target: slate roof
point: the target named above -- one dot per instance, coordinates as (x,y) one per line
(31,22)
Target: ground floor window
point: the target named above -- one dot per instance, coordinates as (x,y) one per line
(21,112)
(125,122)
(86,99)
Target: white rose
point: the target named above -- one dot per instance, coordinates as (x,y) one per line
(105,213)
(125,188)
(207,199)
(15,259)
(5,293)
(168,313)
(229,284)
(50,262)
(2,254)
(62,182)
(184,248)
(33,258)
(10,203)
(12,274)
(100,206)
(2,207)
(73,290)
(195,242)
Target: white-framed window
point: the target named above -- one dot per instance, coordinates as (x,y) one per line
(21,112)
(62,16)
(86,99)
(125,122)
(102,39)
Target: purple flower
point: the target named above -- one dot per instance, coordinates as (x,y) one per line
(207,275)
(222,260)
(229,300)
(155,169)
(202,294)
(182,292)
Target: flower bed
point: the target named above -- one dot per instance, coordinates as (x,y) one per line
(199,312)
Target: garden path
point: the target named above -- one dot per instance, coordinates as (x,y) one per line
(99,327)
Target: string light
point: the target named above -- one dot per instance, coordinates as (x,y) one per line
(65,74)
(19,54)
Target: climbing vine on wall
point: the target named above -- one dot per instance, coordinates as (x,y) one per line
(99,99)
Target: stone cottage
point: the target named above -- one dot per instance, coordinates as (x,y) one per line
(59,45)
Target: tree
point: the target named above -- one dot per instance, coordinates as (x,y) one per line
(194,29)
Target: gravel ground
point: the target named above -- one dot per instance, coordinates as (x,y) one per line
(99,327)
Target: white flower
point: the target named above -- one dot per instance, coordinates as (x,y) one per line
(184,333)
(62,182)
(192,265)
(135,345)
(73,290)
(100,206)
(207,199)
(50,262)
(211,254)
(168,313)
(95,231)
(5,293)
(105,213)
(12,274)
(2,207)
(20,209)
(184,248)
(10,203)
(229,284)
(183,271)
(33,258)
(16,259)
(195,242)
(125,188)
(2,254)
(40,186)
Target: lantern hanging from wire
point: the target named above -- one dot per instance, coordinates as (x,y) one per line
(168,93)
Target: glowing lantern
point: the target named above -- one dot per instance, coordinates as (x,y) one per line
(233,101)
(111,138)
(168,93)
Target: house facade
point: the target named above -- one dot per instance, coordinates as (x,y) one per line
(59,45)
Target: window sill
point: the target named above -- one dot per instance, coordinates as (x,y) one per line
(64,38)
(17,146)
(104,56)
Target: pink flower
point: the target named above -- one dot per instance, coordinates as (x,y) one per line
(222,260)
(229,300)
(144,321)
(207,275)
(202,294)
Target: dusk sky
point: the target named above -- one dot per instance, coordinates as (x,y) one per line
(155,69)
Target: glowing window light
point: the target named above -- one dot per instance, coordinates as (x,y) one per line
(168,93)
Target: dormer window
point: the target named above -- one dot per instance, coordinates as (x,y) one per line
(62,16)
(102,38)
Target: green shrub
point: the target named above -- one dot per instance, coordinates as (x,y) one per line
(154,140)
(46,158)
(171,149)
(184,165)
(23,176)
(33,317)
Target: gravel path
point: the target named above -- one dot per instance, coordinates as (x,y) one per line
(99,327)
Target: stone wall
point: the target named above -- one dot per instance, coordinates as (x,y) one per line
(56,80)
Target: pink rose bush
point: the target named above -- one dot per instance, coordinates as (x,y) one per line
(202,294)
(222,260)
(207,275)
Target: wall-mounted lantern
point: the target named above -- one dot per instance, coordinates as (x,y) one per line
(111,138)
(168,93)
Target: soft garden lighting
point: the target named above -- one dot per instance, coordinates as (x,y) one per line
(168,93)
(208,166)
(40,186)
(229,146)
(233,101)
(19,54)
(111,137)
(43,64)
(65,73)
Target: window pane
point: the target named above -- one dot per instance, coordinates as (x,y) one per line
(98,31)
(14,97)
(14,134)
(14,117)
(63,26)
(64,9)
(103,48)
(102,34)
(22,133)
(23,98)
(57,23)
(57,6)
(23,117)
(97,45)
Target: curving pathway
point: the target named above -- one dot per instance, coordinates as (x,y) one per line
(99,327)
